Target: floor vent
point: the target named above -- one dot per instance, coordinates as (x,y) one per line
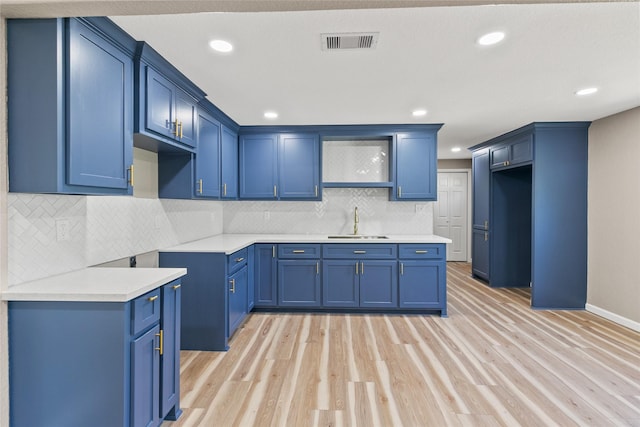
(349,41)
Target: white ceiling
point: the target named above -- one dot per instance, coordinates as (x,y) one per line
(426,57)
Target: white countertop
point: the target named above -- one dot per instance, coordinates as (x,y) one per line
(94,284)
(229,243)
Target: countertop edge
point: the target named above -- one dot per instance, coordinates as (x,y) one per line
(38,291)
(230,243)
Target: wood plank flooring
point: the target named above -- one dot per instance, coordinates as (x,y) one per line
(493,362)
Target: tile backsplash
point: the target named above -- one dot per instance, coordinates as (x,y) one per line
(332,215)
(101,229)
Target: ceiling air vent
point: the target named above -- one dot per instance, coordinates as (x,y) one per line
(343,41)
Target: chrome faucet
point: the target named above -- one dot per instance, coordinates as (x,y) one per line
(356,220)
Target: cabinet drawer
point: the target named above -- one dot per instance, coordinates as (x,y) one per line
(145,311)
(237,259)
(373,251)
(299,251)
(422,251)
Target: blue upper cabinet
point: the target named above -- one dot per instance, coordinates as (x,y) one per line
(416,169)
(285,166)
(513,153)
(258,155)
(171,112)
(166,104)
(70,89)
(207,159)
(229,163)
(299,166)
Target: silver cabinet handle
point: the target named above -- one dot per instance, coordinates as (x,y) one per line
(421,252)
(359,252)
(402,269)
(239,259)
(298,251)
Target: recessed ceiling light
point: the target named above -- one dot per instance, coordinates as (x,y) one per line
(455,149)
(491,38)
(419,113)
(270,115)
(587,91)
(221,46)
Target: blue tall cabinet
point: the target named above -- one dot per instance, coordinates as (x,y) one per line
(530,212)
(70,106)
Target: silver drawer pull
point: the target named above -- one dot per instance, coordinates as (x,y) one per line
(298,251)
(421,252)
(239,259)
(359,252)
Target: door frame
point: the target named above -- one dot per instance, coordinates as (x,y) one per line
(469,207)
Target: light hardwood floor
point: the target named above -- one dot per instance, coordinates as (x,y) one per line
(493,362)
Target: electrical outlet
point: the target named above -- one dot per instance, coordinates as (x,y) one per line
(421,208)
(63,232)
(267,215)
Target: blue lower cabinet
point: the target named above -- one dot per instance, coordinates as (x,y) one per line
(204,325)
(237,285)
(299,283)
(170,360)
(378,284)
(145,379)
(78,364)
(265,275)
(423,277)
(340,283)
(422,284)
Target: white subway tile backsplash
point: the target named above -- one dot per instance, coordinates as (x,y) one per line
(106,228)
(101,229)
(332,215)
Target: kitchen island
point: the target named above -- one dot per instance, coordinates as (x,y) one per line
(232,274)
(97,346)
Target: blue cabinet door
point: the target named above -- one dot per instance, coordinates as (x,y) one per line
(170,360)
(207,159)
(229,164)
(416,167)
(421,284)
(160,101)
(237,284)
(480,254)
(265,275)
(378,284)
(259,166)
(481,186)
(145,379)
(340,283)
(299,166)
(100,111)
(299,283)
(186,113)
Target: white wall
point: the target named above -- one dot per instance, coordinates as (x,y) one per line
(614,218)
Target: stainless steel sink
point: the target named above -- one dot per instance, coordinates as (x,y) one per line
(356,236)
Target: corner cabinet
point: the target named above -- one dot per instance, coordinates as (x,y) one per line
(279,166)
(70,106)
(416,169)
(123,353)
(265,275)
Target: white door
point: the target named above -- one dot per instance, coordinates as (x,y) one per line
(450,213)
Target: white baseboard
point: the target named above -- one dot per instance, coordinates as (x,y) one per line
(631,324)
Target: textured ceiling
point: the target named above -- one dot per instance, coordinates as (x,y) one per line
(426,57)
